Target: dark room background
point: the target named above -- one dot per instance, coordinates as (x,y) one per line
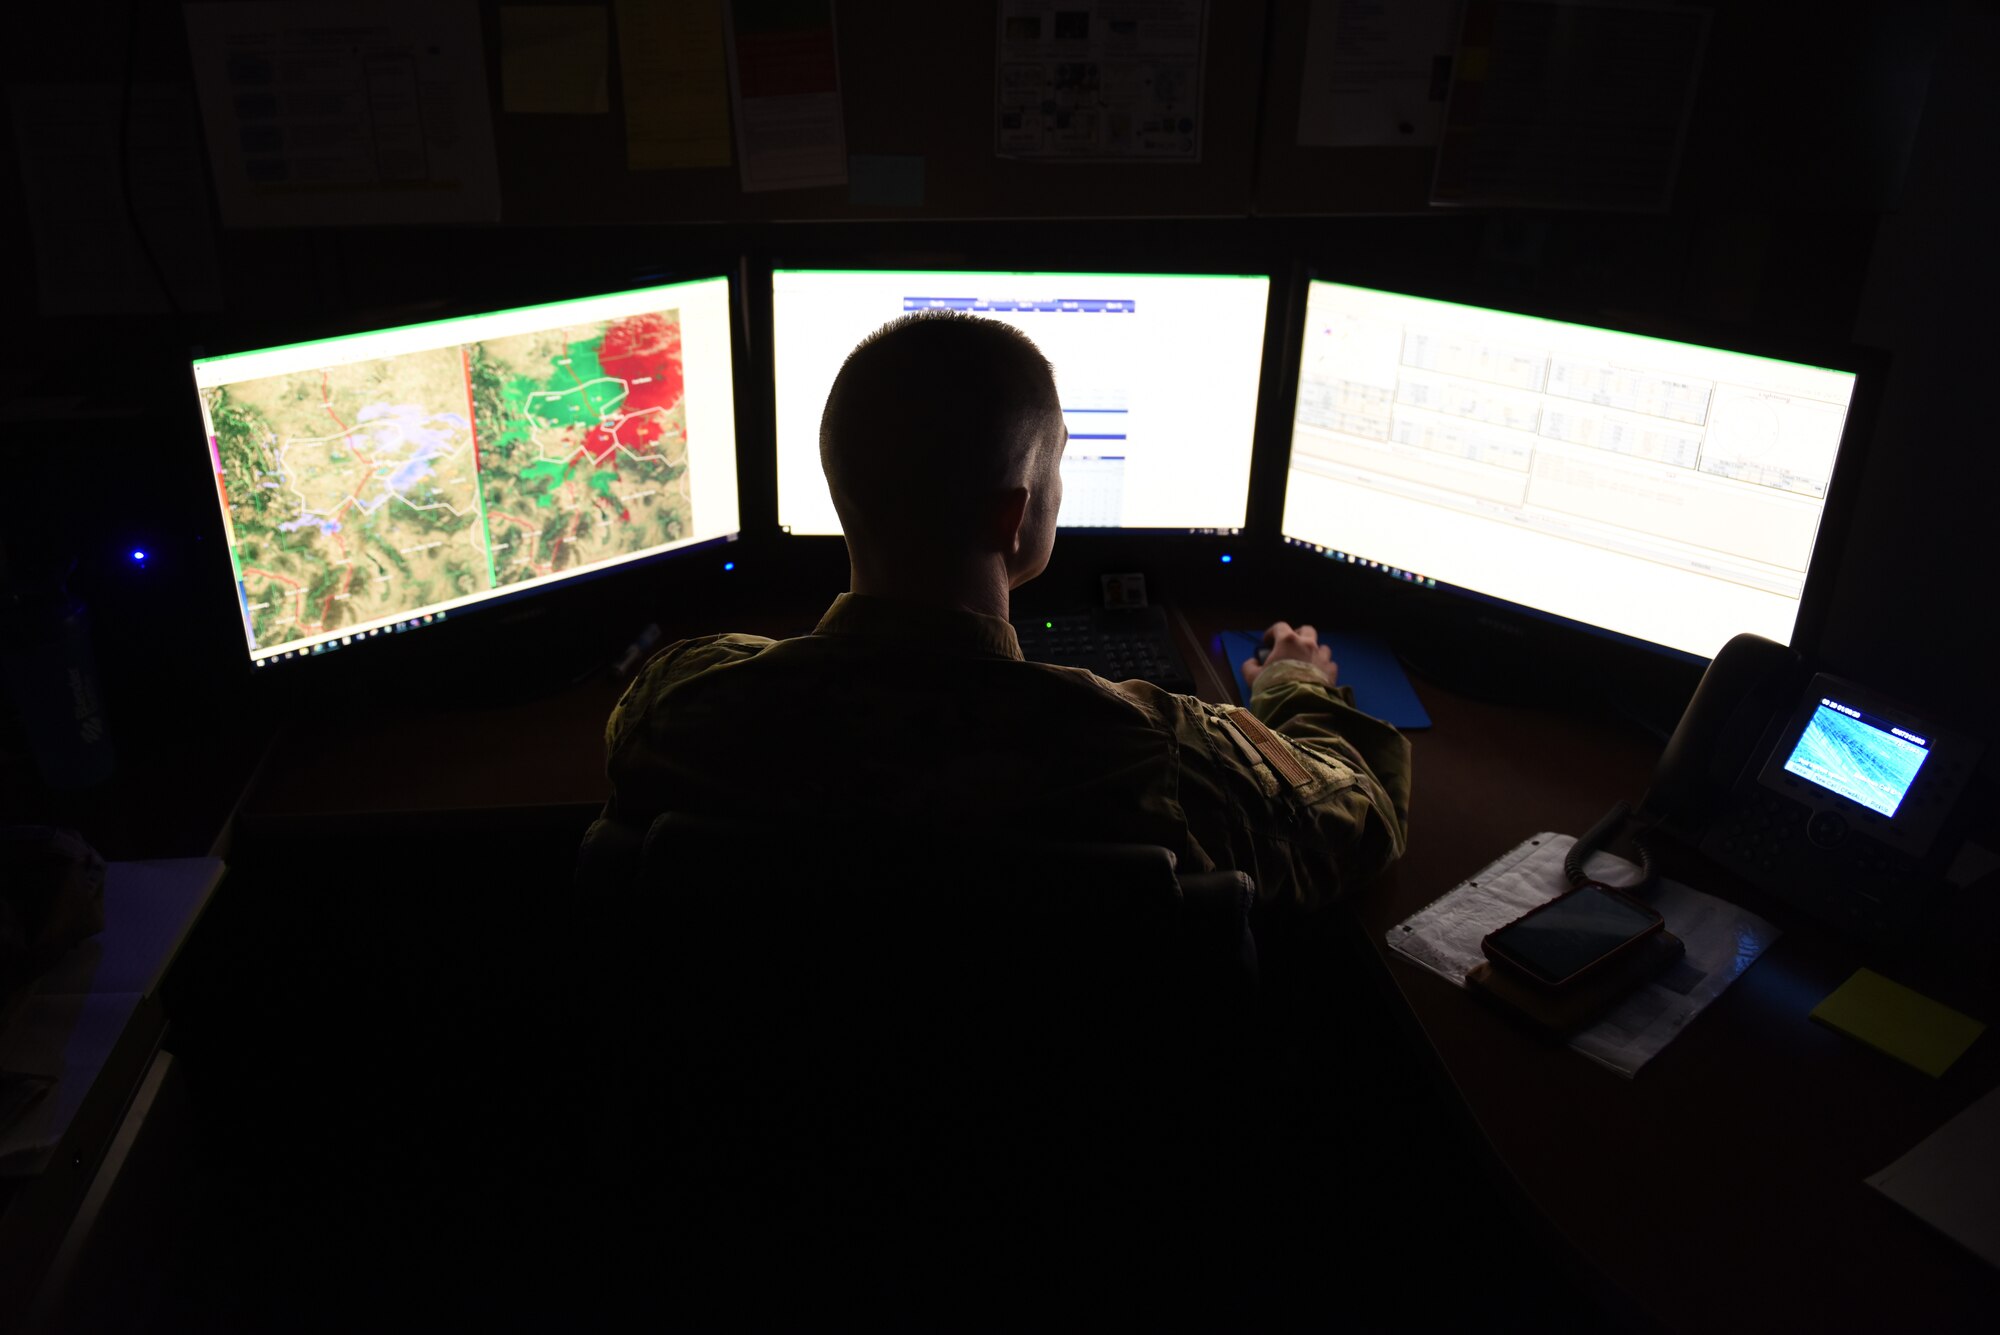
(1835,187)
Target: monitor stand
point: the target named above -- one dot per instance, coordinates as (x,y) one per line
(1485,658)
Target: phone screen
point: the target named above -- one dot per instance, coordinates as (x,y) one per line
(1863,758)
(1573,932)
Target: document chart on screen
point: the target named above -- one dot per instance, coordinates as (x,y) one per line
(1157,375)
(1656,489)
(377,481)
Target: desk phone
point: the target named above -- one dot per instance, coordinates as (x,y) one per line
(1830,794)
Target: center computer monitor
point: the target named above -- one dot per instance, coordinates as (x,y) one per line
(1157,374)
(378,482)
(1661,492)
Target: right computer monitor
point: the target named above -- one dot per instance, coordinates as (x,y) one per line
(1665,492)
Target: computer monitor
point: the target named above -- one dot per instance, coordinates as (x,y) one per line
(1157,374)
(380,482)
(1665,493)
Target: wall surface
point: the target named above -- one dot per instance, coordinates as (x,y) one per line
(1802,217)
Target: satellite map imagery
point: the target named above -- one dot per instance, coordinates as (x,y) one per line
(363,491)
(583,443)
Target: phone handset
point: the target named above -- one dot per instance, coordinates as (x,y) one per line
(1747,686)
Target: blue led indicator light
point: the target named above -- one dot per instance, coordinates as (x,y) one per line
(729,565)
(1227,558)
(138,555)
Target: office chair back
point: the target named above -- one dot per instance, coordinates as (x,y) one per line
(858,1047)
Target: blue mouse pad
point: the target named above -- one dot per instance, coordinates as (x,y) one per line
(1366,663)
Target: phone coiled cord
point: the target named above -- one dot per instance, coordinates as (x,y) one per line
(1607,829)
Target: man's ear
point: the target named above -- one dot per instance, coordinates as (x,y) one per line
(1007,511)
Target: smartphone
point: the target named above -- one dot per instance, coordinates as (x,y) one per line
(1572,934)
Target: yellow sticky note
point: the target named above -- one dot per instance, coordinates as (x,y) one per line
(554,59)
(1891,1018)
(671,60)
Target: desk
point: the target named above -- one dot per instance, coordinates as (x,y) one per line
(1749,1136)
(1755,1128)
(544,751)
(96,1023)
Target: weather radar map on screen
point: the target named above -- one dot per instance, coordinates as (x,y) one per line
(376,482)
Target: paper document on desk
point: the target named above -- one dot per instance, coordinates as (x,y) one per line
(67,1039)
(1722,941)
(1951,1180)
(79,1009)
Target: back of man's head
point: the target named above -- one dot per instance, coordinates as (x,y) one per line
(930,416)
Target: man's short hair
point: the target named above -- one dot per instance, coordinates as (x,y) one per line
(929,414)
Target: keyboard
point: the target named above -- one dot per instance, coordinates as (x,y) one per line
(1117,644)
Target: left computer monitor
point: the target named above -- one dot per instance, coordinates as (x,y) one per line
(379,482)
(1157,374)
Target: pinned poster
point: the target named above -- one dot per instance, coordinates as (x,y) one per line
(361,112)
(784,75)
(676,84)
(1086,81)
(1376,75)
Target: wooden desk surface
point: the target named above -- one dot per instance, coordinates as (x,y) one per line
(1720,1189)
(544,751)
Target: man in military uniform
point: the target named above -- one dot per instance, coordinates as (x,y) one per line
(910,706)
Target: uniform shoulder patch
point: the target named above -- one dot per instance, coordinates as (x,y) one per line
(1272,747)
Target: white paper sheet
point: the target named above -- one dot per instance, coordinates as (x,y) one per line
(1722,941)
(331,114)
(1951,1180)
(1371,71)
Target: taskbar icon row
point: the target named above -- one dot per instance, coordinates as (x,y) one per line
(373,632)
(1349,558)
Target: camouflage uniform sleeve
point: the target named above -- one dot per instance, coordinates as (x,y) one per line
(1316,793)
(678,662)
(612,845)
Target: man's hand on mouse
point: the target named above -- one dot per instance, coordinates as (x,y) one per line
(1283,641)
